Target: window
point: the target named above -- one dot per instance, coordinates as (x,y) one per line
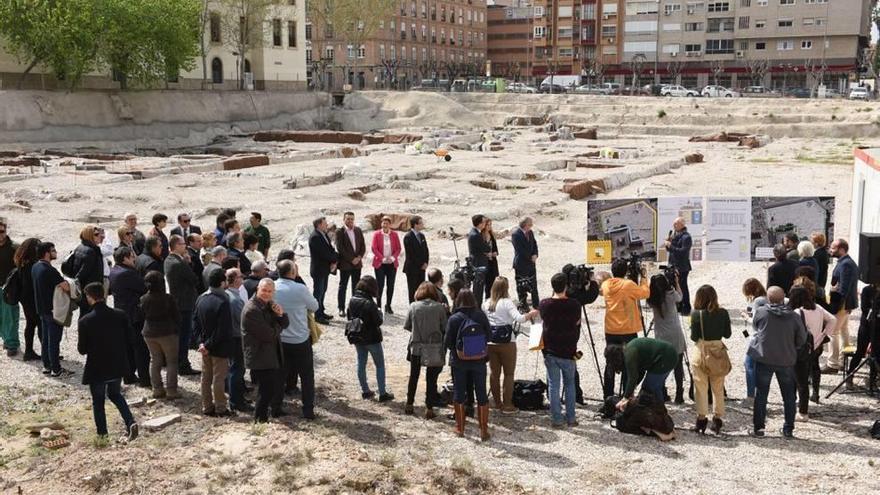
(565,11)
(215,28)
(589,11)
(609,8)
(539,11)
(393,52)
(217,71)
(761,3)
(672,48)
(350,52)
(785,45)
(609,50)
(540,31)
(785,23)
(609,31)
(381,52)
(695,7)
(291,34)
(672,27)
(719,25)
(276,32)
(743,45)
(668,9)
(760,23)
(811,2)
(744,22)
(328,53)
(760,45)
(719,46)
(565,32)
(414,54)
(806,45)
(308,55)
(719,7)
(697,48)
(745,3)
(693,26)
(565,52)
(786,2)
(641,8)
(820,21)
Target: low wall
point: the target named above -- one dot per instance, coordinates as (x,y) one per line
(125,121)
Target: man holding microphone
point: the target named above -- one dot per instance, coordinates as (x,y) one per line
(679,244)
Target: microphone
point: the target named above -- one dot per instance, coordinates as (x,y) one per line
(669,237)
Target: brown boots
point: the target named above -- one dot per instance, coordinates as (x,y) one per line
(459,418)
(483,418)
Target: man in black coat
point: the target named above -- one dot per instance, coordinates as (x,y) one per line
(479,251)
(102,339)
(844,299)
(351,247)
(262,321)
(185,227)
(194,250)
(183,288)
(525,253)
(151,259)
(781,273)
(415,263)
(212,322)
(127,287)
(679,247)
(323,263)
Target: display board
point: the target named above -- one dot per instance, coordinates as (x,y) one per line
(619,228)
(773,217)
(691,209)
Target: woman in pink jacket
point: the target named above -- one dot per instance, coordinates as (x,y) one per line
(386,252)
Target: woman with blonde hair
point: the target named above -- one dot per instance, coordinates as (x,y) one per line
(126,237)
(86,264)
(503,315)
(710,363)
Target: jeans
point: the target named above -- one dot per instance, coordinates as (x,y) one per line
(300,359)
(268,389)
(785,377)
(431,375)
(111,389)
(235,378)
(9,325)
(374,350)
(50,342)
(163,352)
(468,374)
(608,388)
(186,322)
(684,307)
(656,383)
(750,376)
(560,370)
(385,275)
(531,278)
(344,275)
(319,290)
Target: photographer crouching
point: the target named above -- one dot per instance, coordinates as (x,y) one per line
(623,319)
(679,244)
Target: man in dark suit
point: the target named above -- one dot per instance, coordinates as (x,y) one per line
(679,247)
(781,273)
(102,335)
(194,250)
(844,299)
(416,261)
(151,259)
(323,263)
(351,247)
(182,286)
(479,251)
(525,253)
(127,287)
(184,226)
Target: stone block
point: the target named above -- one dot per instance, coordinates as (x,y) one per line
(334,137)
(582,189)
(693,158)
(356,195)
(161,422)
(242,162)
(22,161)
(585,134)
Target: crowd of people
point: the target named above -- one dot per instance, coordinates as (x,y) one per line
(213,293)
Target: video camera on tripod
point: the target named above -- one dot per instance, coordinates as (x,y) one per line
(466,273)
(580,284)
(634,265)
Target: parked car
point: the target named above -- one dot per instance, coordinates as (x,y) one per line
(713,91)
(610,88)
(518,87)
(758,92)
(799,93)
(676,90)
(551,88)
(832,93)
(589,89)
(859,94)
(429,85)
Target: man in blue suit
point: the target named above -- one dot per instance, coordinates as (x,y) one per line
(844,299)
(525,253)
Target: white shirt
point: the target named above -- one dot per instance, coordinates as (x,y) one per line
(386,246)
(505,313)
(351,237)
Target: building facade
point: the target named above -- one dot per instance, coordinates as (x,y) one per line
(421,39)
(277,62)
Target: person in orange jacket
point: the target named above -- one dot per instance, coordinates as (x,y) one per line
(623,320)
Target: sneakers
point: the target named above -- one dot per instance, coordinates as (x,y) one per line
(509,410)
(756,433)
(557,424)
(828,370)
(787,434)
(803,417)
(342,313)
(408,409)
(386,397)
(133,431)
(748,402)
(61,373)
(30,355)
(573,424)
(388,310)
(369,394)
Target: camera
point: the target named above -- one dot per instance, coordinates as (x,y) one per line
(523,289)
(670,272)
(634,267)
(466,273)
(580,284)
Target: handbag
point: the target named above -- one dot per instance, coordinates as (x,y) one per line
(432,355)
(315,329)
(713,360)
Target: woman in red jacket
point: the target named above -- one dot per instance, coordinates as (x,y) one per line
(386,249)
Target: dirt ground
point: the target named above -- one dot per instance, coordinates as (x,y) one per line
(359,446)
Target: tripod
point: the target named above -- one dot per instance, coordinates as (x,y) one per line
(871,378)
(593,348)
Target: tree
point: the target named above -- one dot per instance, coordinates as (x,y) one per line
(815,74)
(352,21)
(636,65)
(244,25)
(674,69)
(204,21)
(717,68)
(595,71)
(757,69)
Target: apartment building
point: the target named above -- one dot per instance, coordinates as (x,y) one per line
(278,61)
(422,39)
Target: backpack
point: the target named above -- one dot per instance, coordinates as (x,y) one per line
(12,288)
(645,412)
(875,430)
(528,395)
(472,344)
(67,267)
(354,331)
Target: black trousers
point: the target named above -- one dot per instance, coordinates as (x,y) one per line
(431,374)
(268,383)
(684,307)
(344,276)
(529,277)
(679,374)
(609,374)
(413,280)
(138,354)
(806,370)
(299,359)
(31,326)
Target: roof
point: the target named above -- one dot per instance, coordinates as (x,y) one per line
(793,201)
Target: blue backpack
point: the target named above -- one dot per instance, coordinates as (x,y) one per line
(472,343)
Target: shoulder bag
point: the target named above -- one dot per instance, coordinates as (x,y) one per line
(713,357)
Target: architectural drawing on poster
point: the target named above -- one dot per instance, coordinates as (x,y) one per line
(773,217)
(620,228)
(691,209)
(728,229)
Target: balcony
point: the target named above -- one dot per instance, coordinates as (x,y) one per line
(403,35)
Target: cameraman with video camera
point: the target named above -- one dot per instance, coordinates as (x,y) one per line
(480,251)
(623,319)
(525,253)
(679,246)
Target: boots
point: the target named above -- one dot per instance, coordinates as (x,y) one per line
(701,425)
(483,412)
(716,425)
(429,413)
(679,396)
(459,418)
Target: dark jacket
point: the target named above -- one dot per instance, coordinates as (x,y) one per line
(27,286)
(46,278)
(195,262)
(182,282)
(127,287)
(453,325)
(7,256)
(524,247)
(160,313)
(779,333)
(103,334)
(244,264)
(562,326)
(415,247)
(250,285)
(139,240)
(212,322)
(156,231)
(781,274)
(261,335)
(321,254)
(846,278)
(206,272)
(364,307)
(347,252)
(811,262)
(145,263)
(680,250)
(193,229)
(88,264)
(823,259)
(478,248)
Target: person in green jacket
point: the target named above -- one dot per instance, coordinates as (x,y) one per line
(648,359)
(257,228)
